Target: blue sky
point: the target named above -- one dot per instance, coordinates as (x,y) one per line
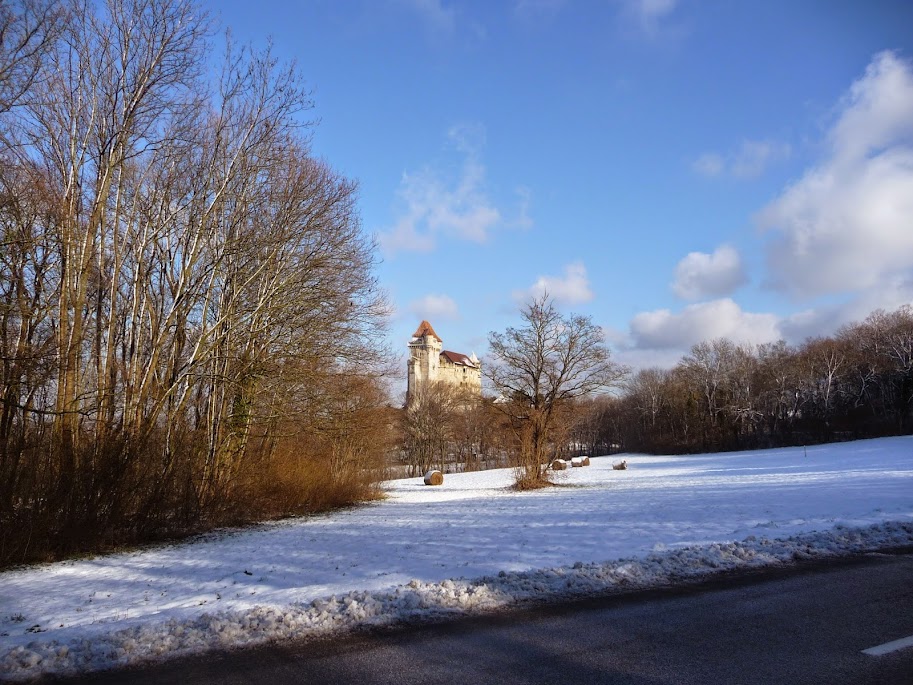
(678,170)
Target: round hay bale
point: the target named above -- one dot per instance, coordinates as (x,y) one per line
(577,461)
(434,477)
(585,461)
(559,465)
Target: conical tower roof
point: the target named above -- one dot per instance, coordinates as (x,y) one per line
(424,328)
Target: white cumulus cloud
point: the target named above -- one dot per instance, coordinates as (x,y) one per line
(431,207)
(700,275)
(847,224)
(749,160)
(754,156)
(435,307)
(890,295)
(723,318)
(709,164)
(571,288)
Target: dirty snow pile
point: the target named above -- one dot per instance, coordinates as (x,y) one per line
(467,546)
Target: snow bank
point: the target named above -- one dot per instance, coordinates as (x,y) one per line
(667,518)
(423,600)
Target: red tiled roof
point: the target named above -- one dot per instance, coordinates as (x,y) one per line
(458,358)
(424,328)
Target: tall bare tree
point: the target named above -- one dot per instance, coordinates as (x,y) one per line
(538,370)
(28,29)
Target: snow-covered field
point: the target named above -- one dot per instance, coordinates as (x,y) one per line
(468,545)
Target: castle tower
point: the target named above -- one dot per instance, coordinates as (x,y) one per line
(430,362)
(424,357)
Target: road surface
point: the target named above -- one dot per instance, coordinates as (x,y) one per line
(805,625)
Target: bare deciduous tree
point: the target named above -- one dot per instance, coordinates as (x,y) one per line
(183,283)
(429,425)
(28,28)
(856,383)
(537,370)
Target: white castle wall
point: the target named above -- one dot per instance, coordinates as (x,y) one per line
(427,364)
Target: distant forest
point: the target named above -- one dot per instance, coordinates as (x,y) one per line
(857,383)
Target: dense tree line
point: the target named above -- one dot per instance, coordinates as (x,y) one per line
(188,312)
(721,396)
(552,377)
(451,429)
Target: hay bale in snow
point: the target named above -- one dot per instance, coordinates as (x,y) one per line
(620,466)
(559,465)
(577,461)
(586,460)
(434,477)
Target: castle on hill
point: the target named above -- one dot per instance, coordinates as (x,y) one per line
(430,362)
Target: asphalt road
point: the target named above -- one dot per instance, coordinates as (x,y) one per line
(806,625)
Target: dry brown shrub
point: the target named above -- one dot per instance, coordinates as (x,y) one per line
(523,482)
(122,499)
(299,480)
